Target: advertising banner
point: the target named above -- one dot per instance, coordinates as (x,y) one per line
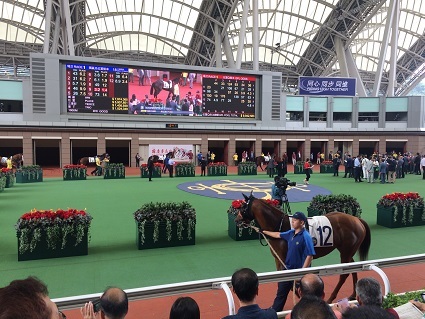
(309,85)
(180,152)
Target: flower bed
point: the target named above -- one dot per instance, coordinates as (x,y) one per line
(326,167)
(242,233)
(184,170)
(2,183)
(9,177)
(144,172)
(401,210)
(165,225)
(114,171)
(323,204)
(29,174)
(217,169)
(247,168)
(74,172)
(51,234)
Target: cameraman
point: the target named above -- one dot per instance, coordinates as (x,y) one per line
(277,192)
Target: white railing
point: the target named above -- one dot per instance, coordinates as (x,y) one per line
(275,276)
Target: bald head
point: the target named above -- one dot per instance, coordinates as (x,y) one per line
(312,285)
(114,303)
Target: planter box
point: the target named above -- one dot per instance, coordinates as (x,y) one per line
(42,252)
(114,173)
(29,177)
(2,183)
(10,180)
(247,170)
(326,169)
(217,171)
(298,169)
(74,174)
(184,172)
(155,174)
(235,234)
(385,217)
(162,238)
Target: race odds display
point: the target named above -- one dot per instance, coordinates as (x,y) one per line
(104,89)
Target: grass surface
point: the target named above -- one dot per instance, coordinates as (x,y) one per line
(114,259)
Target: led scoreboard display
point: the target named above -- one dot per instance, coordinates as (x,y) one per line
(96,89)
(109,89)
(228,95)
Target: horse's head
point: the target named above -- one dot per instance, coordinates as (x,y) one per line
(243,214)
(155,158)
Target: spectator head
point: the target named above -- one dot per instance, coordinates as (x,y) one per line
(369,292)
(312,285)
(185,308)
(276,179)
(245,284)
(366,312)
(27,299)
(114,303)
(312,307)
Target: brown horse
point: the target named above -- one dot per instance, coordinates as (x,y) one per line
(17,160)
(160,85)
(350,235)
(259,160)
(85,160)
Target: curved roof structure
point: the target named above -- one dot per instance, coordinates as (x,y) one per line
(296,37)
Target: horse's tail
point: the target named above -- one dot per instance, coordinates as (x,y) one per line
(152,88)
(365,245)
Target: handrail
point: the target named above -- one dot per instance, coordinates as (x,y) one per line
(275,276)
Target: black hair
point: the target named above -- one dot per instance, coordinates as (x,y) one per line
(185,308)
(366,312)
(312,307)
(114,303)
(245,284)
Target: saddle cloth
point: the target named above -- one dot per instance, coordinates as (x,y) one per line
(92,159)
(167,85)
(3,160)
(320,230)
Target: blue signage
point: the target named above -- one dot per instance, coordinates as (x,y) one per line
(309,85)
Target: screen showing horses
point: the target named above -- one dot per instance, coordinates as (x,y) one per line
(108,89)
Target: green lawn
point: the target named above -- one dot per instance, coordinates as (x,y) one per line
(114,259)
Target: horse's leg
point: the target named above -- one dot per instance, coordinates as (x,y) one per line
(342,279)
(355,279)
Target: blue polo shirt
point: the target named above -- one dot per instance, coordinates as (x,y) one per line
(299,247)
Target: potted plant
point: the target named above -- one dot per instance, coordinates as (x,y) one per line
(323,204)
(217,169)
(29,174)
(395,300)
(165,225)
(401,210)
(51,234)
(243,233)
(74,172)
(299,168)
(9,177)
(114,171)
(184,170)
(326,167)
(247,168)
(144,173)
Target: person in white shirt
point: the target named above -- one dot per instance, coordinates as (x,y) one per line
(170,166)
(423,166)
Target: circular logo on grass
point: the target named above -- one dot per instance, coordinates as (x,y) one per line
(233,189)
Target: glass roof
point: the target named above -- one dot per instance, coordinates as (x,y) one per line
(166,27)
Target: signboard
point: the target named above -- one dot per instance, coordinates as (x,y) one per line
(309,85)
(180,152)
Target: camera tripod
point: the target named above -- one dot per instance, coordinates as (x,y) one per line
(285,205)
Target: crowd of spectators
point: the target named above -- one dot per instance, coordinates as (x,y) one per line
(29,299)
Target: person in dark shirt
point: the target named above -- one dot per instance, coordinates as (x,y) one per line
(203,166)
(245,285)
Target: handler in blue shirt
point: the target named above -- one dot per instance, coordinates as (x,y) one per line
(300,254)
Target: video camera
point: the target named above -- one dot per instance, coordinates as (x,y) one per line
(283,183)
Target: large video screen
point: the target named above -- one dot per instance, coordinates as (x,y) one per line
(92,88)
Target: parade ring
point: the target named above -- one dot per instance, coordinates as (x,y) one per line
(233,189)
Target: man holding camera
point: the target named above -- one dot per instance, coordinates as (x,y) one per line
(300,254)
(113,304)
